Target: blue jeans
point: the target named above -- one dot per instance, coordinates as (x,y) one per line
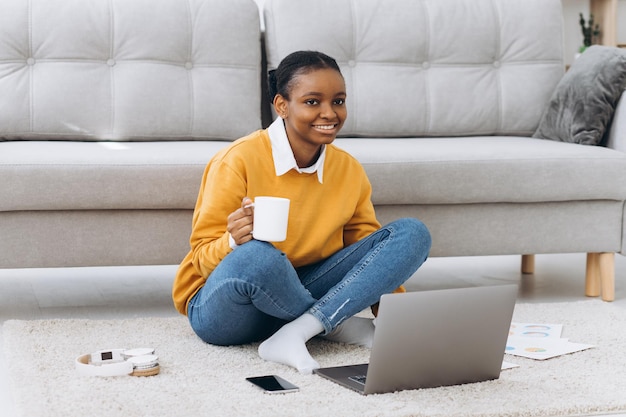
(255,290)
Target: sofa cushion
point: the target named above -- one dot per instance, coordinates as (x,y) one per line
(426,68)
(129,69)
(56,175)
(165,175)
(487,170)
(584,101)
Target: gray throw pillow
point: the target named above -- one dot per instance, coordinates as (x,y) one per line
(582,106)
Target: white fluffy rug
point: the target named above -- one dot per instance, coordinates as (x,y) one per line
(199,379)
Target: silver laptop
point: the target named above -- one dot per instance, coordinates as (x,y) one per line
(435,338)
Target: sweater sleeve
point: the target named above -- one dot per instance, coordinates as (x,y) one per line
(363,222)
(220,194)
(224,185)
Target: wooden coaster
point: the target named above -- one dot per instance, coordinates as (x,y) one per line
(146,372)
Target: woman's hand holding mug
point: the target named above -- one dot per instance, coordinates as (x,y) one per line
(240,222)
(264,219)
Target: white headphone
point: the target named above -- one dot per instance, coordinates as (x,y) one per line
(115,362)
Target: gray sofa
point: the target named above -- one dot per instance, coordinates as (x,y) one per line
(110,111)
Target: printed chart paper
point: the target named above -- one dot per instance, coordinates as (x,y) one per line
(536,330)
(540,341)
(508,365)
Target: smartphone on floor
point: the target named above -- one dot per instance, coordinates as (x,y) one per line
(273,384)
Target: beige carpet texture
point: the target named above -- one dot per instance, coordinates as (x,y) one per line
(200,379)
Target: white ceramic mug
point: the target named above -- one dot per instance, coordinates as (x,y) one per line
(271,215)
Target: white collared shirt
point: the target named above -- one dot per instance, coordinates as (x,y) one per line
(284,161)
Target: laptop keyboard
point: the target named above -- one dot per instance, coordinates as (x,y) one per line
(359,379)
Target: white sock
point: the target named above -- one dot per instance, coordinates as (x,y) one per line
(353,331)
(288,344)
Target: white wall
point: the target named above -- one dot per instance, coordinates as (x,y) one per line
(621,21)
(571,27)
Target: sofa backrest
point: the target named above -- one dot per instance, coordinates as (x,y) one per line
(430,67)
(129,69)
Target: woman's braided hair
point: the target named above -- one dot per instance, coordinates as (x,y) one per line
(294,64)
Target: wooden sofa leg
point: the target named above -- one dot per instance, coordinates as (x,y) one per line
(600,277)
(528,264)
(607,275)
(592,277)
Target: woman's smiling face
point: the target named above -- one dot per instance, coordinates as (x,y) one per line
(315,110)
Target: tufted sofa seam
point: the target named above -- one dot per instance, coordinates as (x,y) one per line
(31,86)
(134,61)
(427,82)
(192,109)
(53,165)
(498,75)
(353,57)
(91,138)
(111,68)
(434,64)
(378,162)
(455,162)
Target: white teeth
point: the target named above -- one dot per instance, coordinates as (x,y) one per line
(325,127)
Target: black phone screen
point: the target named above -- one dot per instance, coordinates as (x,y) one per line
(272,383)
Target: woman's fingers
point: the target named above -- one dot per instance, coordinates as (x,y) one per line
(240,222)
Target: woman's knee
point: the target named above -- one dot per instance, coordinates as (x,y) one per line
(416,234)
(226,327)
(258,256)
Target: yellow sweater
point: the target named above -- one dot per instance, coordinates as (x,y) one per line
(323,218)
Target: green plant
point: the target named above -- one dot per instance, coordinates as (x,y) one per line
(590,32)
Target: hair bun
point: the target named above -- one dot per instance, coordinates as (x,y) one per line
(272,84)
